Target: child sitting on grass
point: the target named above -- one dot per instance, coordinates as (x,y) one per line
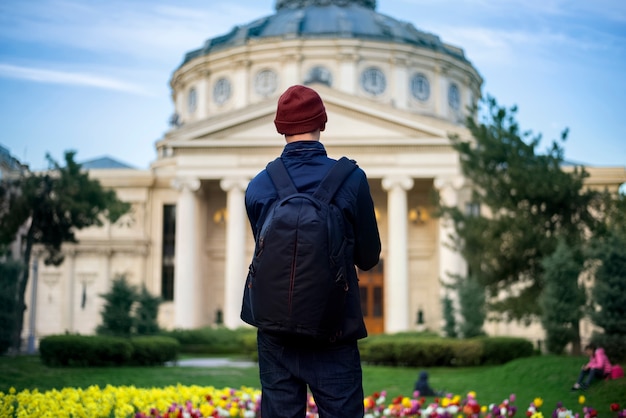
(598,367)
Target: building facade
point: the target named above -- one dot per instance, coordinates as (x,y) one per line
(393,95)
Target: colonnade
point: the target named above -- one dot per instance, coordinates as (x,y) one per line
(187,272)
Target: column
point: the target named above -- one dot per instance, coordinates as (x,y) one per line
(71,290)
(397,268)
(451,262)
(186,283)
(235,271)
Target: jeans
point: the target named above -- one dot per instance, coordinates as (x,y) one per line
(331,371)
(587,376)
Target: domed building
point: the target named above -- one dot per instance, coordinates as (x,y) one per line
(393,95)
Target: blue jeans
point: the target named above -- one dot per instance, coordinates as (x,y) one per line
(587,376)
(331,371)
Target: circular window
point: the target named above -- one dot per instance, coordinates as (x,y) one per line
(454,97)
(221,91)
(265,82)
(373,81)
(420,88)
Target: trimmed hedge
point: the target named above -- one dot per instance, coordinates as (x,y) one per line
(215,340)
(103,351)
(417,350)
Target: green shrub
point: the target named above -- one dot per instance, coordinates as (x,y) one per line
(215,340)
(152,351)
(500,350)
(104,351)
(416,350)
(84,351)
(466,353)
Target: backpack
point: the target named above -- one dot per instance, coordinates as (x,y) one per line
(297,281)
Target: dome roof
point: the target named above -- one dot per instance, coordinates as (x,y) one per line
(309,19)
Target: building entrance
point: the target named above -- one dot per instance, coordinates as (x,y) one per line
(371,286)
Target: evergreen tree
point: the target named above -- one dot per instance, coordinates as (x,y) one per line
(10,272)
(608,263)
(563,299)
(472,307)
(531,201)
(117,317)
(449,328)
(53,204)
(146,314)
(609,296)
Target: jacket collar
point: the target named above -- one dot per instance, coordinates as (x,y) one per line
(301,148)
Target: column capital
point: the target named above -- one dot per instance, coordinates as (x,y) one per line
(397,181)
(451,182)
(188,183)
(231,183)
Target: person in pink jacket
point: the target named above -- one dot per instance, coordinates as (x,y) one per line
(598,367)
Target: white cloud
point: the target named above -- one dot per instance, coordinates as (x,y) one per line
(70,78)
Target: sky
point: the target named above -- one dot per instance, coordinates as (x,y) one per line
(93,76)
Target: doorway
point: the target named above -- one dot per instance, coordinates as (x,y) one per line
(372,287)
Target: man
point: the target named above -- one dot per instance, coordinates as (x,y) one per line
(331,369)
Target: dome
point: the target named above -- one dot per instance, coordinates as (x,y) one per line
(309,19)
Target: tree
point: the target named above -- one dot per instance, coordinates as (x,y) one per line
(128,311)
(117,317)
(563,299)
(530,201)
(607,258)
(471,307)
(449,328)
(146,314)
(10,271)
(53,204)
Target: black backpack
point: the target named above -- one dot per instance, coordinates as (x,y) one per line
(297,281)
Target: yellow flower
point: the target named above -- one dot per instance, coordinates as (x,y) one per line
(445,402)
(483,409)
(581,399)
(472,394)
(538,402)
(406,402)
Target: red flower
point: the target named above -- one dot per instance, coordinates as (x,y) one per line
(614,407)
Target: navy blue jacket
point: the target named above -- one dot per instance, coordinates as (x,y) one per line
(307,164)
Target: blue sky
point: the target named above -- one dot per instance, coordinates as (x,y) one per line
(92,76)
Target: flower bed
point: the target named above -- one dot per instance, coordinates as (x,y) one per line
(198,401)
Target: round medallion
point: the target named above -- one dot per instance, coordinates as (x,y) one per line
(221,91)
(420,88)
(373,81)
(265,82)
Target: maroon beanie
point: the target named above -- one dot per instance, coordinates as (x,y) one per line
(300,110)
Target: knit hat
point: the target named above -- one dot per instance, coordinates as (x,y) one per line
(300,110)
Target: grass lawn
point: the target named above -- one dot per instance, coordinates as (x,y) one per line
(548,377)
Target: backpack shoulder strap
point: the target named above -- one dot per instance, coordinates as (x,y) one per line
(280,177)
(334,179)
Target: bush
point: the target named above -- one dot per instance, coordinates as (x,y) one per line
(467,353)
(84,351)
(153,351)
(215,340)
(500,350)
(105,351)
(416,350)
